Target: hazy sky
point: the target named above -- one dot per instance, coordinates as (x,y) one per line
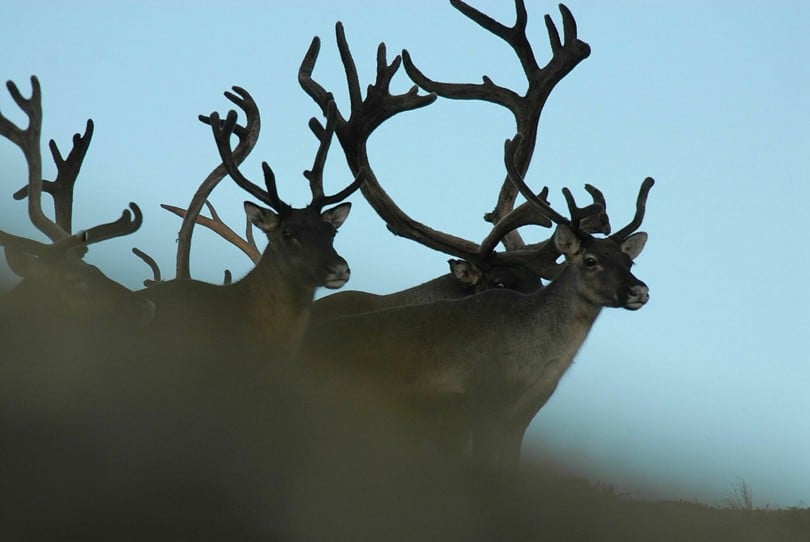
(707,383)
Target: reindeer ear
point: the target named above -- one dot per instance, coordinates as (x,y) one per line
(633,245)
(264,219)
(337,215)
(565,240)
(465,272)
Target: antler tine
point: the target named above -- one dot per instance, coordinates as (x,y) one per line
(61,188)
(315,91)
(150,261)
(593,216)
(315,176)
(127,224)
(248,136)
(523,215)
(358,181)
(515,36)
(641,206)
(363,120)
(324,135)
(270,182)
(600,221)
(597,195)
(242,98)
(510,149)
(216,224)
(29,142)
(222,131)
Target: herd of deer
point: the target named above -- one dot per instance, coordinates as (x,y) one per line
(471,356)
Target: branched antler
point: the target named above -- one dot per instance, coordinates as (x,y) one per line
(222,131)
(218,226)
(315,175)
(248,135)
(29,142)
(127,224)
(566,54)
(62,188)
(543,256)
(353,133)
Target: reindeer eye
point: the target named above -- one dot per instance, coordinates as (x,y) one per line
(591,262)
(287,234)
(500,285)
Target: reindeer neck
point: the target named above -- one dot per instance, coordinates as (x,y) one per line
(562,305)
(276,300)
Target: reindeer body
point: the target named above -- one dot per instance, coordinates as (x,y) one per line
(483,365)
(269,307)
(464,280)
(263,309)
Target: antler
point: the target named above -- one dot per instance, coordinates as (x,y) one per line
(543,257)
(353,133)
(641,206)
(566,54)
(29,142)
(127,224)
(315,175)
(222,131)
(62,188)
(216,224)
(150,261)
(248,135)
(511,147)
(525,214)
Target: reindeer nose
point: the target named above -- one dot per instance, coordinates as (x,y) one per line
(638,296)
(338,274)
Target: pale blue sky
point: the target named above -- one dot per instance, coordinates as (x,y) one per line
(706,383)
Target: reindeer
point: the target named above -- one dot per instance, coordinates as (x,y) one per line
(58,287)
(269,307)
(464,279)
(479,268)
(482,365)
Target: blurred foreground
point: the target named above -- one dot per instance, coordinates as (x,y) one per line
(107,436)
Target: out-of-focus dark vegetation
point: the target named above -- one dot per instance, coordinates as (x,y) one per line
(105,435)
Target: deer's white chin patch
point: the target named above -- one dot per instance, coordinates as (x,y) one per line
(334,284)
(635,305)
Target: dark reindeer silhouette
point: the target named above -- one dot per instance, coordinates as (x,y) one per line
(268,307)
(484,365)
(480,366)
(482,267)
(58,287)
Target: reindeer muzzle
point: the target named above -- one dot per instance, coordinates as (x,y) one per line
(637,297)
